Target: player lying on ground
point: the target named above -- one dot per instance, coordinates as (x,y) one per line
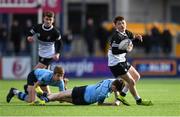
(89,94)
(35,78)
(118,63)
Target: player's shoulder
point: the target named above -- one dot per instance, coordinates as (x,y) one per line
(117,37)
(56,29)
(129,33)
(37,26)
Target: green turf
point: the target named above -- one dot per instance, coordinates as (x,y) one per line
(165,94)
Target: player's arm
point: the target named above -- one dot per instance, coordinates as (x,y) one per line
(102,103)
(115,45)
(58,46)
(102,96)
(134,37)
(30,34)
(32,92)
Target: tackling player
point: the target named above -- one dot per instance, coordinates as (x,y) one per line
(118,64)
(36,78)
(89,94)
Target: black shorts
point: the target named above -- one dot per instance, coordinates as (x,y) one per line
(31,79)
(120,69)
(45,61)
(78,95)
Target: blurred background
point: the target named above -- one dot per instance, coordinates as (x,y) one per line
(157,20)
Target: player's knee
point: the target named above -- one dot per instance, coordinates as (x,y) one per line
(138,77)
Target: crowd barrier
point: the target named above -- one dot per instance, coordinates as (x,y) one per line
(97,67)
(92,67)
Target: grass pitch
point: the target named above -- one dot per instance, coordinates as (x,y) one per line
(164,93)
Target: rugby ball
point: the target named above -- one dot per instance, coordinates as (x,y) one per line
(123,45)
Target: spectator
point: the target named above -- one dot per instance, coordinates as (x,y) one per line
(27,28)
(16,37)
(155,39)
(67,41)
(103,36)
(3,39)
(89,36)
(147,42)
(166,41)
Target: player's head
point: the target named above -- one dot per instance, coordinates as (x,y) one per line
(118,85)
(58,73)
(48,18)
(120,23)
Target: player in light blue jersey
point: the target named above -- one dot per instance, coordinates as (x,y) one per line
(85,95)
(36,78)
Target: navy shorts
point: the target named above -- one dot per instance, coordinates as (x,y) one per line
(120,69)
(78,95)
(45,61)
(31,79)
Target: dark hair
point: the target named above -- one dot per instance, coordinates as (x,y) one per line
(48,14)
(58,69)
(118,18)
(119,84)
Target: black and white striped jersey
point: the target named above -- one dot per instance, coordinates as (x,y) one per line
(49,40)
(115,55)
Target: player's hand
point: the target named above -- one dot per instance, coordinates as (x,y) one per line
(139,37)
(129,48)
(30,39)
(56,56)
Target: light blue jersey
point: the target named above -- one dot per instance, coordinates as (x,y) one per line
(44,76)
(98,92)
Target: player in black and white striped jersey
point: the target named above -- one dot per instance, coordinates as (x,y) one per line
(49,40)
(49,43)
(118,64)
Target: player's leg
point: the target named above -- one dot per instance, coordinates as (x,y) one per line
(14,92)
(131,83)
(31,93)
(40,65)
(67,99)
(119,70)
(31,90)
(59,96)
(135,75)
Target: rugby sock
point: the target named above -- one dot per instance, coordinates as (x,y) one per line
(61,85)
(137,98)
(22,96)
(16,92)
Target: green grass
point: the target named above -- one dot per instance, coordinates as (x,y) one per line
(164,93)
